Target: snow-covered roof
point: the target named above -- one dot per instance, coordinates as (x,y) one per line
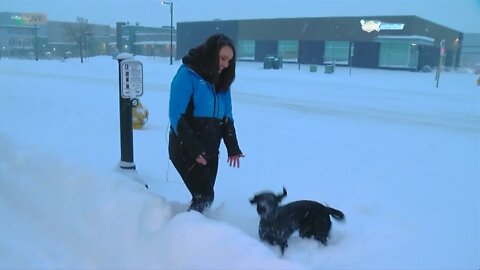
(419,40)
(153,42)
(22,47)
(61,43)
(417,37)
(153,34)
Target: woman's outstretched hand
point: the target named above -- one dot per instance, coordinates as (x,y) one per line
(234,161)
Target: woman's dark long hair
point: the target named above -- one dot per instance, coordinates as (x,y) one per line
(204,60)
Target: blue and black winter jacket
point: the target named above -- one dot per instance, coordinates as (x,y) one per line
(200,116)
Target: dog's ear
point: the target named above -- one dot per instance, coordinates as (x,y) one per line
(281,196)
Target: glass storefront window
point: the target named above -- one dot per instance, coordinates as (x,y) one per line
(337,52)
(246,50)
(394,54)
(413,56)
(288,50)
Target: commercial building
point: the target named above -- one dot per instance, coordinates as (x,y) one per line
(391,42)
(470,52)
(148,41)
(32,35)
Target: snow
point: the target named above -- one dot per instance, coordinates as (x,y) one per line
(400,157)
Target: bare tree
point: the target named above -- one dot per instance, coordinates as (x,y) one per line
(79,32)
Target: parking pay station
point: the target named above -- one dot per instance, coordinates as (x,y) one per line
(131,87)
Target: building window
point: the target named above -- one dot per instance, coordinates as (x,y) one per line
(413,56)
(336,52)
(288,50)
(398,55)
(246,50)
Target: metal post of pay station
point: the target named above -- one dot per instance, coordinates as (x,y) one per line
(130,88)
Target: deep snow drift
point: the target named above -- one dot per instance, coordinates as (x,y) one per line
(398,156)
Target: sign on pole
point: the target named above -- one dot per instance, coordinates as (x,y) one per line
(442,47)
(132,78)
(130,87)
(440,60)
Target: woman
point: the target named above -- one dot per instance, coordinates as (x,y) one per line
(201,116)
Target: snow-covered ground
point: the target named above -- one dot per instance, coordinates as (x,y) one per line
(400,157)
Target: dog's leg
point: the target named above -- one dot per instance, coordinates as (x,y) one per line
(322,239)
(306,232)
(283,246)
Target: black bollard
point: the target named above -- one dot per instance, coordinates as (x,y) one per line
(126,128)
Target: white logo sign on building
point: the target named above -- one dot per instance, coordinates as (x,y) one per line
(371,25)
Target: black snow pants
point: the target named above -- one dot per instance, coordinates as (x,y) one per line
(199,179)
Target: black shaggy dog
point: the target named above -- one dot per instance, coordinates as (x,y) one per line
(278,223)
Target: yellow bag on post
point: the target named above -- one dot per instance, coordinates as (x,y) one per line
(139,116)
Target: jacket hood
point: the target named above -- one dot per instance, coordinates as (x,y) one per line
(198,62)
(193,58)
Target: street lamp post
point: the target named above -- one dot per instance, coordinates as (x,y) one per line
(171,29)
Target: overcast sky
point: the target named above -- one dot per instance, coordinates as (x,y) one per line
(462,15)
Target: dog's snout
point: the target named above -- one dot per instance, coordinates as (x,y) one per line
(266,203)
(261,209)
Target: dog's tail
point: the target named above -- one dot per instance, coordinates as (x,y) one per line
(336,214)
